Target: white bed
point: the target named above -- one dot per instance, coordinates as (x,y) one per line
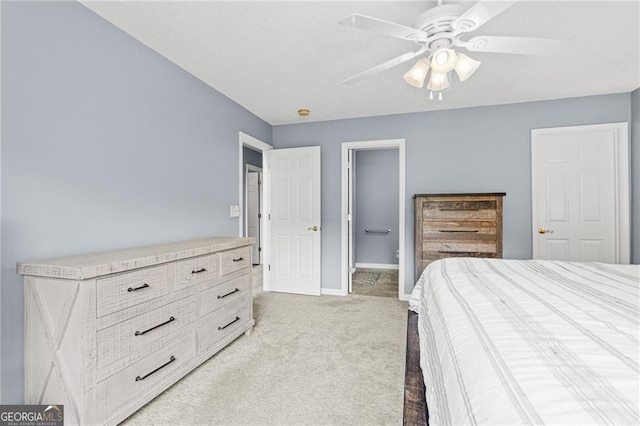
(529,342)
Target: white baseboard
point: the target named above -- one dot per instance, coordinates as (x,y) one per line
(332,291)
(405,297)
(378,265)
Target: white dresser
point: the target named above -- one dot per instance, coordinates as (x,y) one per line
(107,332)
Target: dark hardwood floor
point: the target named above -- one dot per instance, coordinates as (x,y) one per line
(415,406)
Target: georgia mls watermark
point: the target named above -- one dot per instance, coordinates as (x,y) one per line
(31,415)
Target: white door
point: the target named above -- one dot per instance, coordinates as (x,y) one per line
(253,212)
(294,218)
(576,194)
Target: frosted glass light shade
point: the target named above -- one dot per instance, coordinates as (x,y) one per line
(443,60)
(438,81)
(416,75)
(465,66)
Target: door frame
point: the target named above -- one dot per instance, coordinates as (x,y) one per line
(373,144)
(251,142)
(622,184)
(255,169)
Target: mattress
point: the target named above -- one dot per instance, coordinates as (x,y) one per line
(529,342)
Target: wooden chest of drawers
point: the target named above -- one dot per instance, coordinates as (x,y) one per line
(105,333)
(457,225)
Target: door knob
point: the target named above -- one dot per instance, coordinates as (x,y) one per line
(314,229)
(545,231)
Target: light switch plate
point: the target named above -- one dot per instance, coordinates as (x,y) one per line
(234,211)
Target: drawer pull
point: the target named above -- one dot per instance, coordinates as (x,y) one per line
(199,270)
(140,333)
(173,358)
(455,252)
(457,230)
(145,285)
(238,259)
(222,328)
(472,209)
(228,294)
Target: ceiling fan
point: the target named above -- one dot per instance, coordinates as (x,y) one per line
(437,31)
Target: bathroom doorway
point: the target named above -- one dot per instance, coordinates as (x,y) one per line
(374,221)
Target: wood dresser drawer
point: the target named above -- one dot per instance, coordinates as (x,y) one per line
(128,337)
(194,271)
(459,205)
(132,382)
(456,225)
(214,326)
(459,247)
(457,229)
(444,214)
(121,291)
(219,295)
(234,260)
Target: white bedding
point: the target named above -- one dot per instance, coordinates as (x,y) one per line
(529,342)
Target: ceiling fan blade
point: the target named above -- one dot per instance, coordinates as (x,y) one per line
(384,27)
(480,13)
(516,45)
(384,66)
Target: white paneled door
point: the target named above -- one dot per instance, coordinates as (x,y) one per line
(577,193)
(294,220)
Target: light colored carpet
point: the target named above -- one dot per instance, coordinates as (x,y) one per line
(326,360)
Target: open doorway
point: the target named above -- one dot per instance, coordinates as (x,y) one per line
(373,227)
(252,202)
(374,245)
(252,213)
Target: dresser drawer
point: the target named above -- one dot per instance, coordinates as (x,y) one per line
(219,295)
(444,228)
(456,248)
(214,326)
(429,256)
(234,260)
(187,273)
(127,337)
(465,205)
(135,380)
(121,291)
(468,215)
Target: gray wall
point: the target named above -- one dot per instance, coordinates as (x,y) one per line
(635,176)
(376,205)
(251,157)
(105,145)
(484,149)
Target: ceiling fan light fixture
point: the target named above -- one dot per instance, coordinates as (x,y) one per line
(416,75)
(443,60)
(438,81)
(465,66)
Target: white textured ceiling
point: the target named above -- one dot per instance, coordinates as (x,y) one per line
(275,57)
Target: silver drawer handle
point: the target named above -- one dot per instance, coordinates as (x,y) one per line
(458,230)
(140,333)
(173,358)
(145,285)
(228,294)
